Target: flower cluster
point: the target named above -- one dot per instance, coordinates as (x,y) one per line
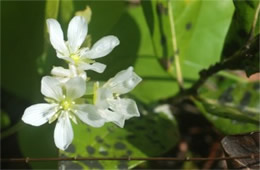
(64,91)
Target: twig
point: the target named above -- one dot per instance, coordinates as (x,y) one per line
(174,46)
(233,62)
(27,160)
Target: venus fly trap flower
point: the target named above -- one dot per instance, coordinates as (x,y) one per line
(70,50)
(108,103)
(66,89)
(63,106)
(64,75)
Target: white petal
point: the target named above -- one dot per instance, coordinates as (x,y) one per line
(97,67)
(115,117)
(50,87)
(103,94)
(102,47)
(89,115)
(64,57)
(56,36)
(60,71)
(77,32)
(128,107)
(124,81)
(39,114)
(63,133)
(75,88)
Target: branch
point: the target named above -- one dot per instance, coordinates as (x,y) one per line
(27,160)
(233,62)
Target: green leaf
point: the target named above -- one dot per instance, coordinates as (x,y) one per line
(231,103)
(200,32)
(158,21)
(150,135)
(38,142)
(239,31)
(22,43)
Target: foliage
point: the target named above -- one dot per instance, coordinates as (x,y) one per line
(211,36)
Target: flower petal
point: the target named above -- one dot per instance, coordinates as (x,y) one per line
(63,133)
(103,94)
(124,81)
(128,107)
(75,87)
(38,114)
(50,87)
(89,115)
(77,32)
(60,71)
(102,47)
(97,67)
(111,116)
(56,36)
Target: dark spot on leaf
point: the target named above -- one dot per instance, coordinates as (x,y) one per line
(119,146)
(69,165)
(93,164)
(99,139)
(104,153)
(256,86)
(188,26)
(90,150)
(129,152)
(122,165)
(245,100)
(71,149)
(226,96)
(88,129)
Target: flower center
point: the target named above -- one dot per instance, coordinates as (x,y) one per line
(75,58)
(67,104)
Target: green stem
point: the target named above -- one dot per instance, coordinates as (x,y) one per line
(175,49)
(11,130)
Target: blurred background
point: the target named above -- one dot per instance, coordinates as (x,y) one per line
(206,32)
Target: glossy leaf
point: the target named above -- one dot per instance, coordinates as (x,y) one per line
(232,105)
(239,31)
(200,32)
(149,135)
(38,142)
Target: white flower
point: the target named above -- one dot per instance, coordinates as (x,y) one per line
(108,103)
(70,50)
(63,105)
(63,75)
